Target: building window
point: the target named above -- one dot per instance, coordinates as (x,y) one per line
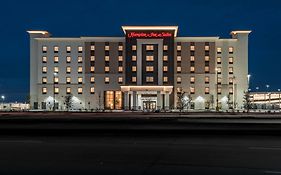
(165,58)
(165,47)
(207,80)
(93,47)
(80,90)
(230,90)
(106,48)
(149,68)
(106,80)
(192,69)
(56,59)
(80,59)
(134,68)
(92,90)
(178,58)
(56,80)
(219,70)
(68,49)
(56,49)
(219,60)
(92,69)
(149,79)
(68,90)
(219,80)
(92,58)
(44,49)
(178,47)
(44,90)
(134,79)
(178,79)
(106,58)
(165,68)
(165,79)
(80,49)
(230,60)
(80,69)
(207,69)
(92,79)
(207,90)
(219,50)
(149,47)
(192,58)
(134,47)
(109,99)
(192,48)
(120,69)
(106,69)
(192,90)
(44,80)
(192,80)
(219,90)
(207,48)
(230,70)
(134,58)
(56,69)
(207,58)
(120,58)
(120,47)
(68,80)
(231,50)
(230,80)
(44,59)
(68,70)
(149,58)
(120,80)
(178,69)
(68,59)
(57,90)
(80,80)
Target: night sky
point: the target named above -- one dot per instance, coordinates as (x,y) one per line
(69,18)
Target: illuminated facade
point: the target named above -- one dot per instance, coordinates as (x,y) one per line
(145,70)
(266,100)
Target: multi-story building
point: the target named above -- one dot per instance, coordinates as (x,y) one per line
(146,69)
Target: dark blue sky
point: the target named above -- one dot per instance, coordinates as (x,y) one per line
(105,18)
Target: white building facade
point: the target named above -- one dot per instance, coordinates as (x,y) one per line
(147,69)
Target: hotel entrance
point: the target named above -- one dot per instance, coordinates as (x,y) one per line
(149,105)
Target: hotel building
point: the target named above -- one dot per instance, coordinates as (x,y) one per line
(145,69)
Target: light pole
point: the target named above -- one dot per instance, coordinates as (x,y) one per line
(217,89)
(248,78)
(267,86)
(279,100)
(3,98)
(257,88)
(54,88)
(234,93)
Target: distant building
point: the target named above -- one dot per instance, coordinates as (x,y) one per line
(266,100)
(14,106)
(145,69)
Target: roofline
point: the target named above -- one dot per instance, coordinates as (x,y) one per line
(37,32)
(240,31)
(175,28)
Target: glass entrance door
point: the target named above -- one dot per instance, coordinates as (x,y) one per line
(149,105)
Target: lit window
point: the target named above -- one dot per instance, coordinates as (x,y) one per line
(149,79)
(44,90)
(149,58)
(56,69)
(120,69)
(93,47)
(192,80)
(57,90)
(230,70)
(178,69)
(68,59)
(68,69)
(219,50)
(56,49)
(178,79)
(178,58)
(68,80)
(165,47)
(134,68)
(207,90)
(44,59)
(219,60)
(165,79)
(56,80)
(149,69)
(219,70)
(149,47)
(80,90)
(165,58)
(230,60)
(106,58)
(92,79)
(230,50)
(92,90)
(207,58)
(80,80)
(44,49)
(192,58)
(230,90)
(192,69)
(165,68)
(106,79)
(207,69)
(120,58)
(192,90)
(134,58)
(120,79)
(219,90)
(207,80)
(219,80)
(192,48)
(56,59)
(68,90)
(92,58)
(44,80)
(106,69)
(230,80)
(134,47)
(68,49)
(106,47)
(207,48)
(134,79)
(80,69)
(178,47)
(92,69)
(120,48)
(80,49)
(80,59)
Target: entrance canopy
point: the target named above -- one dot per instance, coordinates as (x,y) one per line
(163,89)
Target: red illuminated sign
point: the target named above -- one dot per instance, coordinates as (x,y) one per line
(149,35)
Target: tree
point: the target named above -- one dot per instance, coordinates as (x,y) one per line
(229,102)
(212,101)
(28,99)
(247,101)
(68,101)
(183,100)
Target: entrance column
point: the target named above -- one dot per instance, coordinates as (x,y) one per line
(159,100)
(167,101)
(134,100)
(126,100)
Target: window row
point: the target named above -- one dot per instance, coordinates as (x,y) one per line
(80,69)
(68,80)
(68,90)
(56,49)
(68,59)
(107,48)
(230,50)
(207,90)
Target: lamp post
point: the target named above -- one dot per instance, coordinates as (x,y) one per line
(217,90)
(257,88)
(3,98)
(279,100)
(54,88)
(234,93)
(267,86)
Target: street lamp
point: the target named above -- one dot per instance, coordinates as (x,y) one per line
(279,100)
(257,88)
(3,98)
(267,86)
(217,89)
(248,78)
(54,88)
